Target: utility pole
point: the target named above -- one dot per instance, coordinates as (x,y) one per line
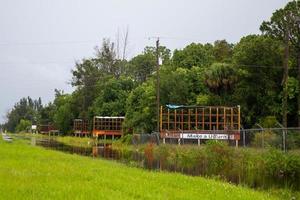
(298,98)
(157,84)
(285,78)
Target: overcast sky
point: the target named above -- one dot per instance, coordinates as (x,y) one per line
(41,39)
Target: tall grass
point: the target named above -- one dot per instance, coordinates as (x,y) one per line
(256,168)
(251,167)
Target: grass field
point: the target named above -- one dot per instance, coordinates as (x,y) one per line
(28,172)
(68,140)
(76,141)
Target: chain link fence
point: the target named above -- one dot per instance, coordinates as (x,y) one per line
(145,138)
(286,139)
(280,138)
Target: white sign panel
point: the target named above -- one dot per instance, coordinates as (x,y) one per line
(206,136)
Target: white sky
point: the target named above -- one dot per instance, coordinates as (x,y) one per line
(41,39)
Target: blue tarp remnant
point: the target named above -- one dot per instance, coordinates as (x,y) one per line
(174,106)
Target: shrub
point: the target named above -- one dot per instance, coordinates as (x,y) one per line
(161,154)
(149,156)
(282,168)
(126,139)
(266,139)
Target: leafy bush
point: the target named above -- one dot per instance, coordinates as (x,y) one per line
(126,139)
(266,139)
(24,125)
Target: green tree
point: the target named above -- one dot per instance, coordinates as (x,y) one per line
(86,75)
(142,66)
(106,60)
(181,85)
(220,78)
(27,109)
(141,109)
(258,89)
(164,53)
(24,125)
(111,100)
(174,86)
(222,51)
(194,55)
(90,75)
(63,116)
(287,21)
(47,113)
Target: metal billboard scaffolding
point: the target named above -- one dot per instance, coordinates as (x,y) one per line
(200,123)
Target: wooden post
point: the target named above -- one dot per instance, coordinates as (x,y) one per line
(239,123)
(175,120)
(209,118)
(231,123)
(224,123)
(203,113)
(196,119)
(244,139)
(168,119)
(93,126)
(239,117)
(181,119)
(284,140)
(161,118)
(189,120)
(217,120)
(199,142)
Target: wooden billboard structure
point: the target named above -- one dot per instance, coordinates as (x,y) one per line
(200,122)
(107,126)
(48,129)
(81,127)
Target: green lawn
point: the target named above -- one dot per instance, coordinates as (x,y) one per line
(28,172)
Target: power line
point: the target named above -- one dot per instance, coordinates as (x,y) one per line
(18,43)
(37,63)
(74,61)
(262,66)
(176,38)
(45,43)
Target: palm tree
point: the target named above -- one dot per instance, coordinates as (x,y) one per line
(221,77)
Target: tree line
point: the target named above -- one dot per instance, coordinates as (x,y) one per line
(249,73)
